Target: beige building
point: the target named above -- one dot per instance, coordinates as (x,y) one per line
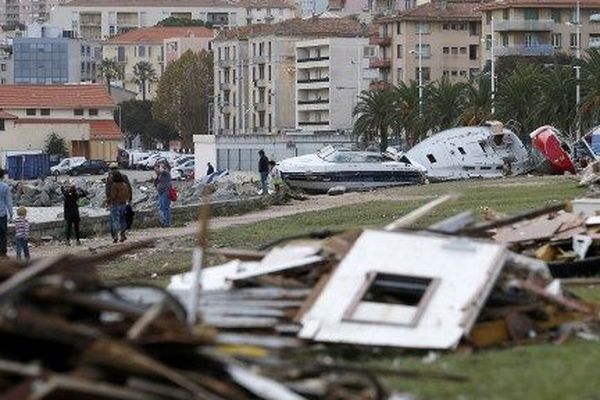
(26,11)
(100,19)
(256,73)
(449,34)
(533,28)
(148,44)
(81,114)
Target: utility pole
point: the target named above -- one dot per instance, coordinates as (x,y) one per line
(420,68)
(578,68)
(493,66)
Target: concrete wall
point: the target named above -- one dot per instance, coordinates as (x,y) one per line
(240,152)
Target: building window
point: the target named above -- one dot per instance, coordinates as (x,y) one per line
(2,67)
(454,50)
(531,14)
(398,51)
(463,50)
(531,40)
(557,40)
(462,151)
(422,27)
(488,42)
(556,17)
(488,17)
(431,158)
(506,14)
(426,72)
(399,77)
(573,41)
(398,28)
(445,27)
(93,112)
(30,111)
(446,50)
(78,111)
(142,51)
(424,51)
(504,40)
(45,111)
(2,128)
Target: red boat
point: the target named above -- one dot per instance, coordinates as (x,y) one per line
(546,139)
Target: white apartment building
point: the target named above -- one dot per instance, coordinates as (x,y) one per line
(255,73)
(6,61)
(25,12)
(330,75)
(100,19)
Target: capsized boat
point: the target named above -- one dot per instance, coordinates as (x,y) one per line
(331,167)
(589,145)
(547,141)
(487,151)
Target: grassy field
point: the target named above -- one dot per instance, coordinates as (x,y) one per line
(536,372)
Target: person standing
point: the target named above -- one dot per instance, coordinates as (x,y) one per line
(263,169)
(114,167)
(6,212)
(71,196)
(22,234)
(210,169)
(163,184)
(120,194)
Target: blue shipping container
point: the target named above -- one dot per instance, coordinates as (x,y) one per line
(28,166)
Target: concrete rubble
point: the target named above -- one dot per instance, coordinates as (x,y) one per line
(47,192)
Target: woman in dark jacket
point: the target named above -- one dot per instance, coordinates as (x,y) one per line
(71,196)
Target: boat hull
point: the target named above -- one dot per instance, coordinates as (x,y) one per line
(351,180)
(549,144)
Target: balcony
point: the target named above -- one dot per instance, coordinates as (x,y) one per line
(525,26)
(260,83)
(536,50)
(260,59)
(380,63)
(313,80)
(261,106)
(227,62)
(315,101)
(379,85)
(309,59)
(380,41)
(227,109)
(226,86)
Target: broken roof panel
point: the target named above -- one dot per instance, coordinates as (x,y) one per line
(405,290)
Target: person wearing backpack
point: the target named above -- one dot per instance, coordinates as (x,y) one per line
(119,196)
(166,192)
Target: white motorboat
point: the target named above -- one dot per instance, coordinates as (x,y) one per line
(354,170)
(488,151)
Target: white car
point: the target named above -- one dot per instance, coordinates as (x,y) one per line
(65,165)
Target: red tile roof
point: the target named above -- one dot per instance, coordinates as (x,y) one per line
(435,11)
(501,4)
(55,96)
(298,27)
(156,35)
(5,115)
(107,129)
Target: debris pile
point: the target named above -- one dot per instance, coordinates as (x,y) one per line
(47,192)
(66,335)
(457,283)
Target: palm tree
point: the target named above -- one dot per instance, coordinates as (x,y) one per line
(518,97)
(556,105)
(590,82)
(110,70)
(478,102)
(446,102)
(374,112)
(144,73)
(409,114)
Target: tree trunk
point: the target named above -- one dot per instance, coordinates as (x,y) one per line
(383,143)
(144,90)
(108,84)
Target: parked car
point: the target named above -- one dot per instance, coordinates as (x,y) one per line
(184,171)
(65,165)
(92,167)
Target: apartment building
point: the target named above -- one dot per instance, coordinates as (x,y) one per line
(81,114)
(6,61)
(533,28)
(148,44)
(256,70)
(440,39)
(43,54)
(100,19)
(13,12)
(350,7)
(330,75)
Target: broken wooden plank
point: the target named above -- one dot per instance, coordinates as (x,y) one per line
(454,223)
(409,219)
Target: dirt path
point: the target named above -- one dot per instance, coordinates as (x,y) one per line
(314,203)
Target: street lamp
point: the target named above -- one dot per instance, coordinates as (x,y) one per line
(492,65)
(577,67)
(420,66)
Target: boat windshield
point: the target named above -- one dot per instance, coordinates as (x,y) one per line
(326,152)
(356,157)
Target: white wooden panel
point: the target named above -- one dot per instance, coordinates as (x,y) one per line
(466,270)
(384,313)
